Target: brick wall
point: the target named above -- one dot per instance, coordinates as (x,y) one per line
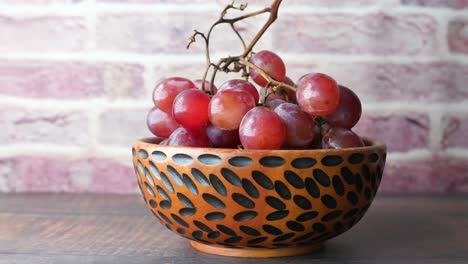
(76,78)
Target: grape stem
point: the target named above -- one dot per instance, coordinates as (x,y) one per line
(241,62)
(267,77)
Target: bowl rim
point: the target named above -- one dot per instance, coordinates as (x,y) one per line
(371,144)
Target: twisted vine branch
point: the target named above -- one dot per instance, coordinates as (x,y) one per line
(240,62)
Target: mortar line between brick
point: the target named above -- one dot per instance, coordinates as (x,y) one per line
(94,109)
(456,153)
(410,155)
(91,18)
(442,23)
(435,133)
(94,129)
(149,78)
(41,149)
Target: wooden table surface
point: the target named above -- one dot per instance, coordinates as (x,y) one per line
(60,228)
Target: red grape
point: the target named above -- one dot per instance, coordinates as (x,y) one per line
(300,128)
(160,123)
(262,128)
(183,137)
(165,92)
(272,104)
(270,63)
(242,85)
(318,94)
(191,108)
(348,112)
(198,85)
(338,137)
(220,138)
(228,107)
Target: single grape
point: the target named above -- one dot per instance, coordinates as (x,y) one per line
(165,92)
(183,137)
(270,63)
(318,94)
(262,128)
(220,138)
(242,85)
(338,137)
(198,85)
(160,123)
(273,104)
(228,107)
(191,108)
(348,112)
(300,128)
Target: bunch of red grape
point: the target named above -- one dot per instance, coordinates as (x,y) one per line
(319,114)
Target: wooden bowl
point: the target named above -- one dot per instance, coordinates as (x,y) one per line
(258,203)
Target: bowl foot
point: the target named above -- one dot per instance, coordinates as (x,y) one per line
(255,252)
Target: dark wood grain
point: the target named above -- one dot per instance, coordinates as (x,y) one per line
(44,228)
(43,203)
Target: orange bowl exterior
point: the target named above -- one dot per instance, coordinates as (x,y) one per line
(257,199)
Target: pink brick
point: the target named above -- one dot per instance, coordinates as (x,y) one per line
(169,32)
(29,125)
(401,132)
(110,176)
(123,80)
(462,187)
(120,127)
(373,81)
(42,34)
(425,175)
(458,35)
(379,33)
(37,174)
(56,174)
(455,127)
(70,80)
(457,4)
(51,79)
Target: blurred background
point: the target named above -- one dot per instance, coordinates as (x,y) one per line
(76,78)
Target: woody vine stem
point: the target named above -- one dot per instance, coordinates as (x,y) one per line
(241,62)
